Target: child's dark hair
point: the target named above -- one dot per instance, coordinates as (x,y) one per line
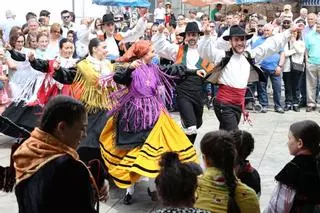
(218,147)
(309,132)
(244,143)
(61,108)
(176,182)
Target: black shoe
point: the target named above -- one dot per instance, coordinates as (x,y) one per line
(127,199)
(153,195)
(279,110)
(287,107)
(302,104)
(296,108)
(310,108)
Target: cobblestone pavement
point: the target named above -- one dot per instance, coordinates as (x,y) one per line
(270,131)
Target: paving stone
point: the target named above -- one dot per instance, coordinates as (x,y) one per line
(270,131)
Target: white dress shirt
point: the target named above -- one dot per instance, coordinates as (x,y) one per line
(169,51)
(159,13)
(236,72)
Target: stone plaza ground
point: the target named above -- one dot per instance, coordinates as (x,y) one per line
(270,131)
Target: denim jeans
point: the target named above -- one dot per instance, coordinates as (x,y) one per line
(160,21)
(276,87)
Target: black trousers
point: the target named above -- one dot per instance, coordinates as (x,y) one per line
(292,87)
(303,88)
(228,115)
(191,110)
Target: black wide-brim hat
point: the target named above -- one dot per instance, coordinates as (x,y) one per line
(237,31)
(107,18)
(192,27)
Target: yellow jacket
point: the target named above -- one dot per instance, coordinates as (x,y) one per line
(212,194)
(87,88)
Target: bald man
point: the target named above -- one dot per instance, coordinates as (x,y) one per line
(312,41)
(303,15)
(311,21)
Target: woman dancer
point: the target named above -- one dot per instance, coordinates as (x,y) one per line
(141,129)
(24,82)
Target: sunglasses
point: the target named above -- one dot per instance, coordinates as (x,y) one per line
(286,22)
(260,25)
(212,26)
(65,17)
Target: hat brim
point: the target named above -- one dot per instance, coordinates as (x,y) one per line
(247,36)
(183,34)
(108,22)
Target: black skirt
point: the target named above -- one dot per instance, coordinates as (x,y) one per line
(89,148)
(96,123)
(24,116)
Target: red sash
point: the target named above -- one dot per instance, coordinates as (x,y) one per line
(234,96)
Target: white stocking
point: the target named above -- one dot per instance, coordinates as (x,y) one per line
(130,190)
(152,185)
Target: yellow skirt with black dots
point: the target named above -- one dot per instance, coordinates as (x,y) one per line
(127,166)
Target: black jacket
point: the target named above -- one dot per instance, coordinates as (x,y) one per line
(62,185)
(301,174)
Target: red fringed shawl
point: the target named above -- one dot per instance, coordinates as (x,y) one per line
(50,88)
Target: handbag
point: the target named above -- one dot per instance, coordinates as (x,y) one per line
(1,85)
(296,66)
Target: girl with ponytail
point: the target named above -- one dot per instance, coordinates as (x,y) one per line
(244,143)
(219,190)
(298,187)
(176,184)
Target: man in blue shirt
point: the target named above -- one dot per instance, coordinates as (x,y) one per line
(272,67)
(312,42)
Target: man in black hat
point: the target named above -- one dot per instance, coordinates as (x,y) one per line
(232,70)
(116,40)
(189,88)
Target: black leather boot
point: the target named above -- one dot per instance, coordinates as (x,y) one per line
(127,199)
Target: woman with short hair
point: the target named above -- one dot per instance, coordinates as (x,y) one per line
(50,177)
